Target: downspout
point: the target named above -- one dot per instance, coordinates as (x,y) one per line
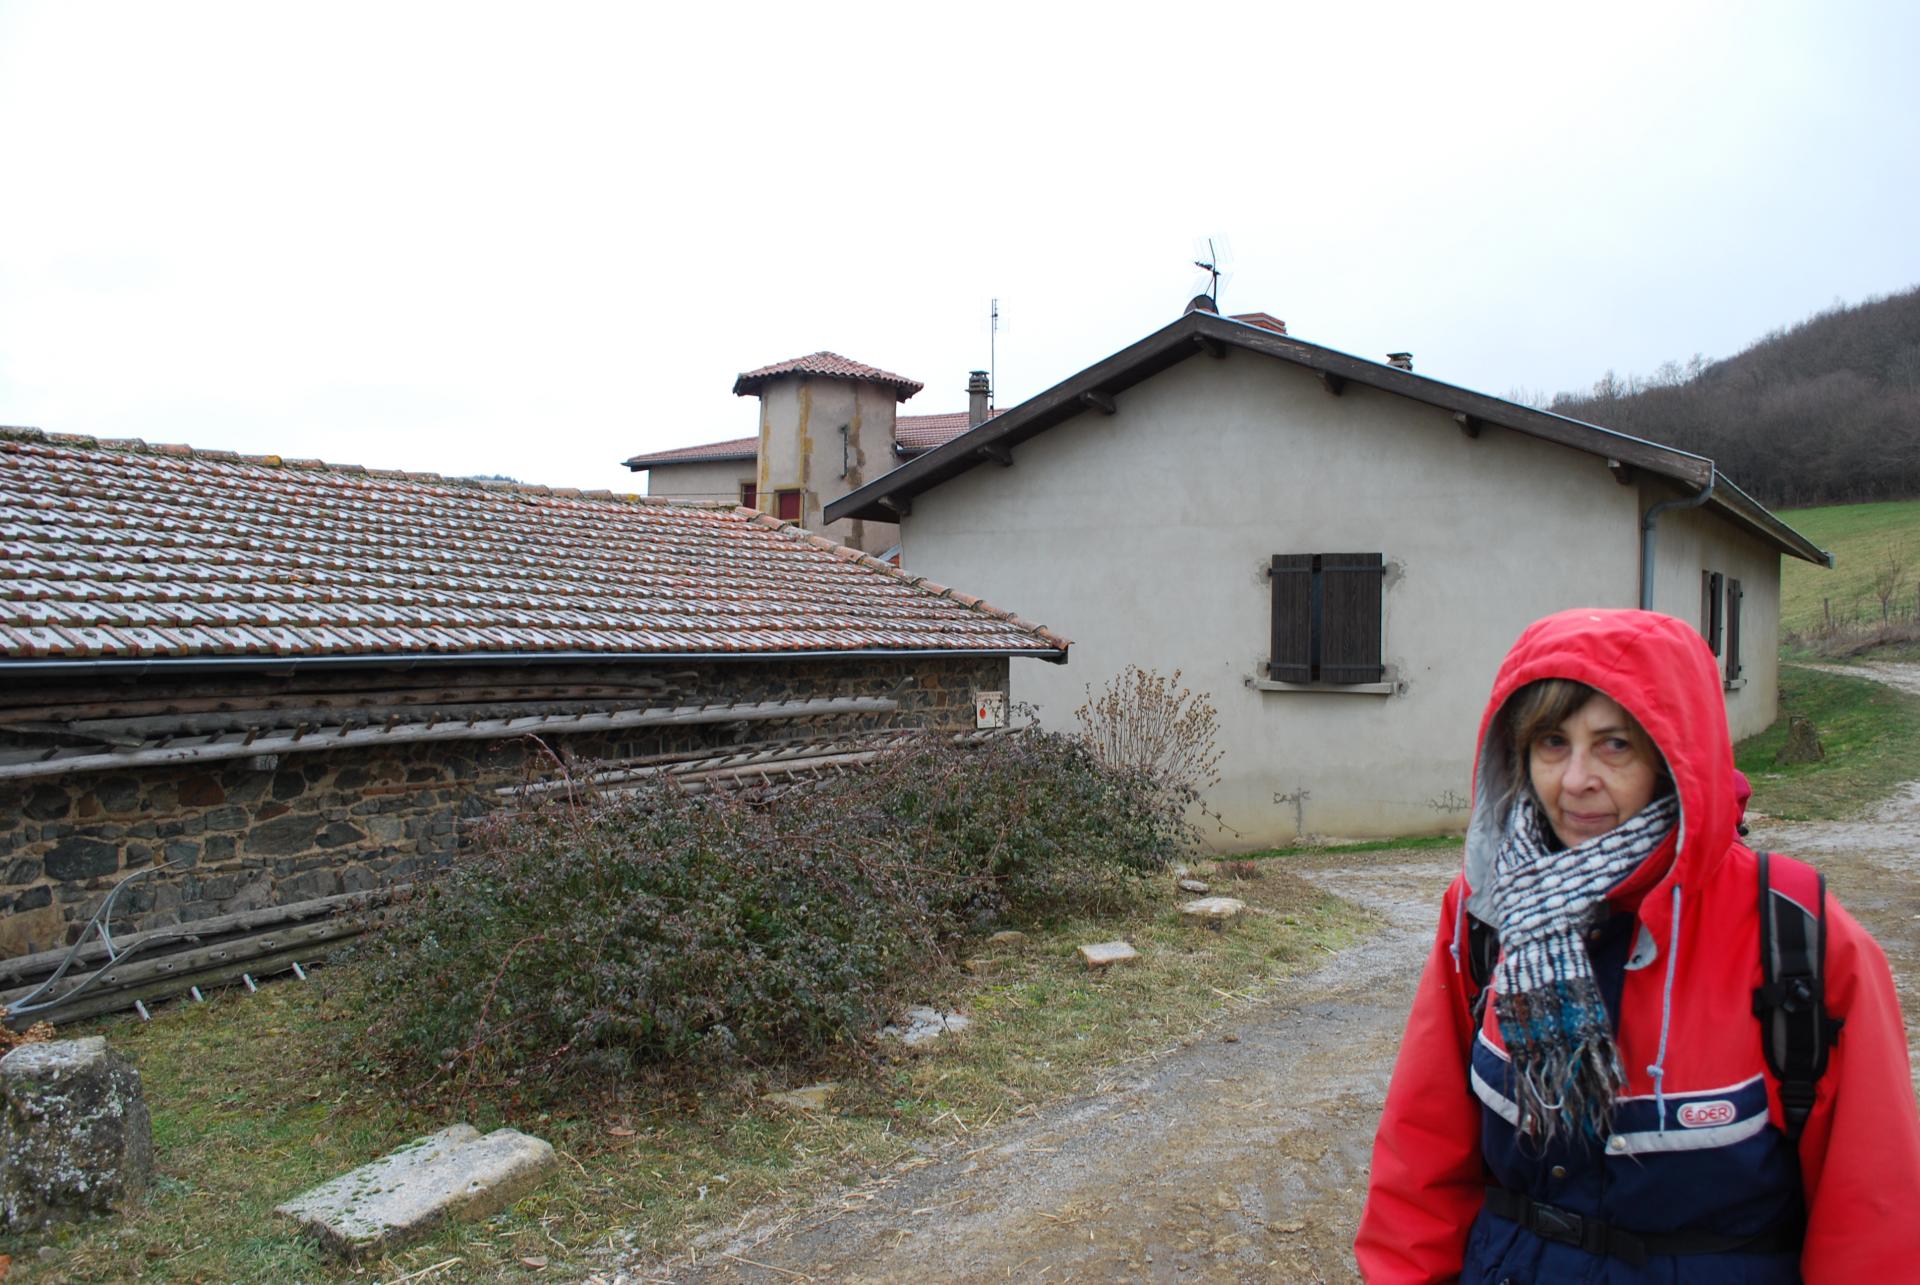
(1646,533)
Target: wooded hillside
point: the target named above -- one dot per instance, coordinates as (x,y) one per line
(1824,412)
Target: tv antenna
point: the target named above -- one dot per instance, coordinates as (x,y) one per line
(1214,257)
(993,356)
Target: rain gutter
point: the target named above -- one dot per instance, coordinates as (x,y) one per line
(1647,524)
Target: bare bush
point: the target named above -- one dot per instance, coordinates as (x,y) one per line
(1146,722)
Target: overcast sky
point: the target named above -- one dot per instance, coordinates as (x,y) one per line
(536,239)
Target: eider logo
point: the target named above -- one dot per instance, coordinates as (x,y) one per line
(1702,1115)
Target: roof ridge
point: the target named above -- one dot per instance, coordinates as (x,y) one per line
(140,446)
(860,557)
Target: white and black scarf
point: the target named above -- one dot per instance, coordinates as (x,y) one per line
(1567,1070)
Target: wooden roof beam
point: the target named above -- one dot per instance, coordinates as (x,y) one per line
(1099,401)
(1335,384)
(999,452)
(1469,424)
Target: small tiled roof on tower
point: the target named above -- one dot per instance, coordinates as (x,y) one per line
(121,551)
(828,365)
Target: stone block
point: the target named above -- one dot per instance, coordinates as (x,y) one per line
(231,817)
(284,836)
(80,857)
(1107,953)
(75,1138)
(118,793)
(21,870)
(392,1201)
(47,803)
(202,791)
(1214,910)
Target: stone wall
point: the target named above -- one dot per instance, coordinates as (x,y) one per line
(249,833)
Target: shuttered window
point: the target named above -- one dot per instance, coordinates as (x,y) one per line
(1735,594)
(1712,596)
(749,495)
(1326,618)
(787,505)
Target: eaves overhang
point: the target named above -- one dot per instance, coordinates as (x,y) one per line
(128,667)
(1203,335)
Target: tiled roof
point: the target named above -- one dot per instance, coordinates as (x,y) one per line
(912,433)
(124,550)
(916,433)
(734,448)
(831,365)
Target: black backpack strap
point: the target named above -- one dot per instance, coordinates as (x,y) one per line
(1796,1032)
(1483,952)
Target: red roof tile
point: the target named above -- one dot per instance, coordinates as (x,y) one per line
(917,433)
(736,448)
(137,551)
(830,365)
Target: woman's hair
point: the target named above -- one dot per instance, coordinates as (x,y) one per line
(1542,706)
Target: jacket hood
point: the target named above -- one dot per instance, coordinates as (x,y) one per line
(1659,670)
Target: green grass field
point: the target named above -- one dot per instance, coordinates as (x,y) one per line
(1861,537)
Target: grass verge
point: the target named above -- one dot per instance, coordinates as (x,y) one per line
(1871,734)
(251,1106)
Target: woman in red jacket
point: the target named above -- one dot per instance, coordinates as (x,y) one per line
(1603,1111)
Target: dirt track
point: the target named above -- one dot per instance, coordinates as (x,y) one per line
(1237,1161)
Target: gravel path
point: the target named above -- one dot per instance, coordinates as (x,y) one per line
(1241,1161)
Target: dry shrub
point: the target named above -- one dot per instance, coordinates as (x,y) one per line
(579,941)
(1146,722)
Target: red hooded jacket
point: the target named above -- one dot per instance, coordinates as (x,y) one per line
(1684,1010)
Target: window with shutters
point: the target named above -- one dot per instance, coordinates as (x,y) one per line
(1326,619)
(1712,595)
(787,505)
(1735,595)
(749,496)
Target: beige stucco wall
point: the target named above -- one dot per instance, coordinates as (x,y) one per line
(1144,537)
(1689,541)
(715,480)
(802,444)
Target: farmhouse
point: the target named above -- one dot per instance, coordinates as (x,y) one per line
(285,681)
(1338,550)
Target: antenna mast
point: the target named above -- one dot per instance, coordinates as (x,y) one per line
(993,368)
(1211,266)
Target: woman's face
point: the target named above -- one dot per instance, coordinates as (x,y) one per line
(1588,774)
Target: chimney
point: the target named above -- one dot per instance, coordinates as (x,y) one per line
(979,398)
(1400,360)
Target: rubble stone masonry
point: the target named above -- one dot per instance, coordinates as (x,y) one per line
(323,822)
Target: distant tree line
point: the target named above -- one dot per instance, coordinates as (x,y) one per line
(1824,412)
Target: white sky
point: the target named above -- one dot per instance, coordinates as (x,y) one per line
(535,239)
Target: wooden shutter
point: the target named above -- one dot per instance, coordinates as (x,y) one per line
(1715,599)
(1350,617)
(1734,596)
(787,505)
(1290,658)
(749,496)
